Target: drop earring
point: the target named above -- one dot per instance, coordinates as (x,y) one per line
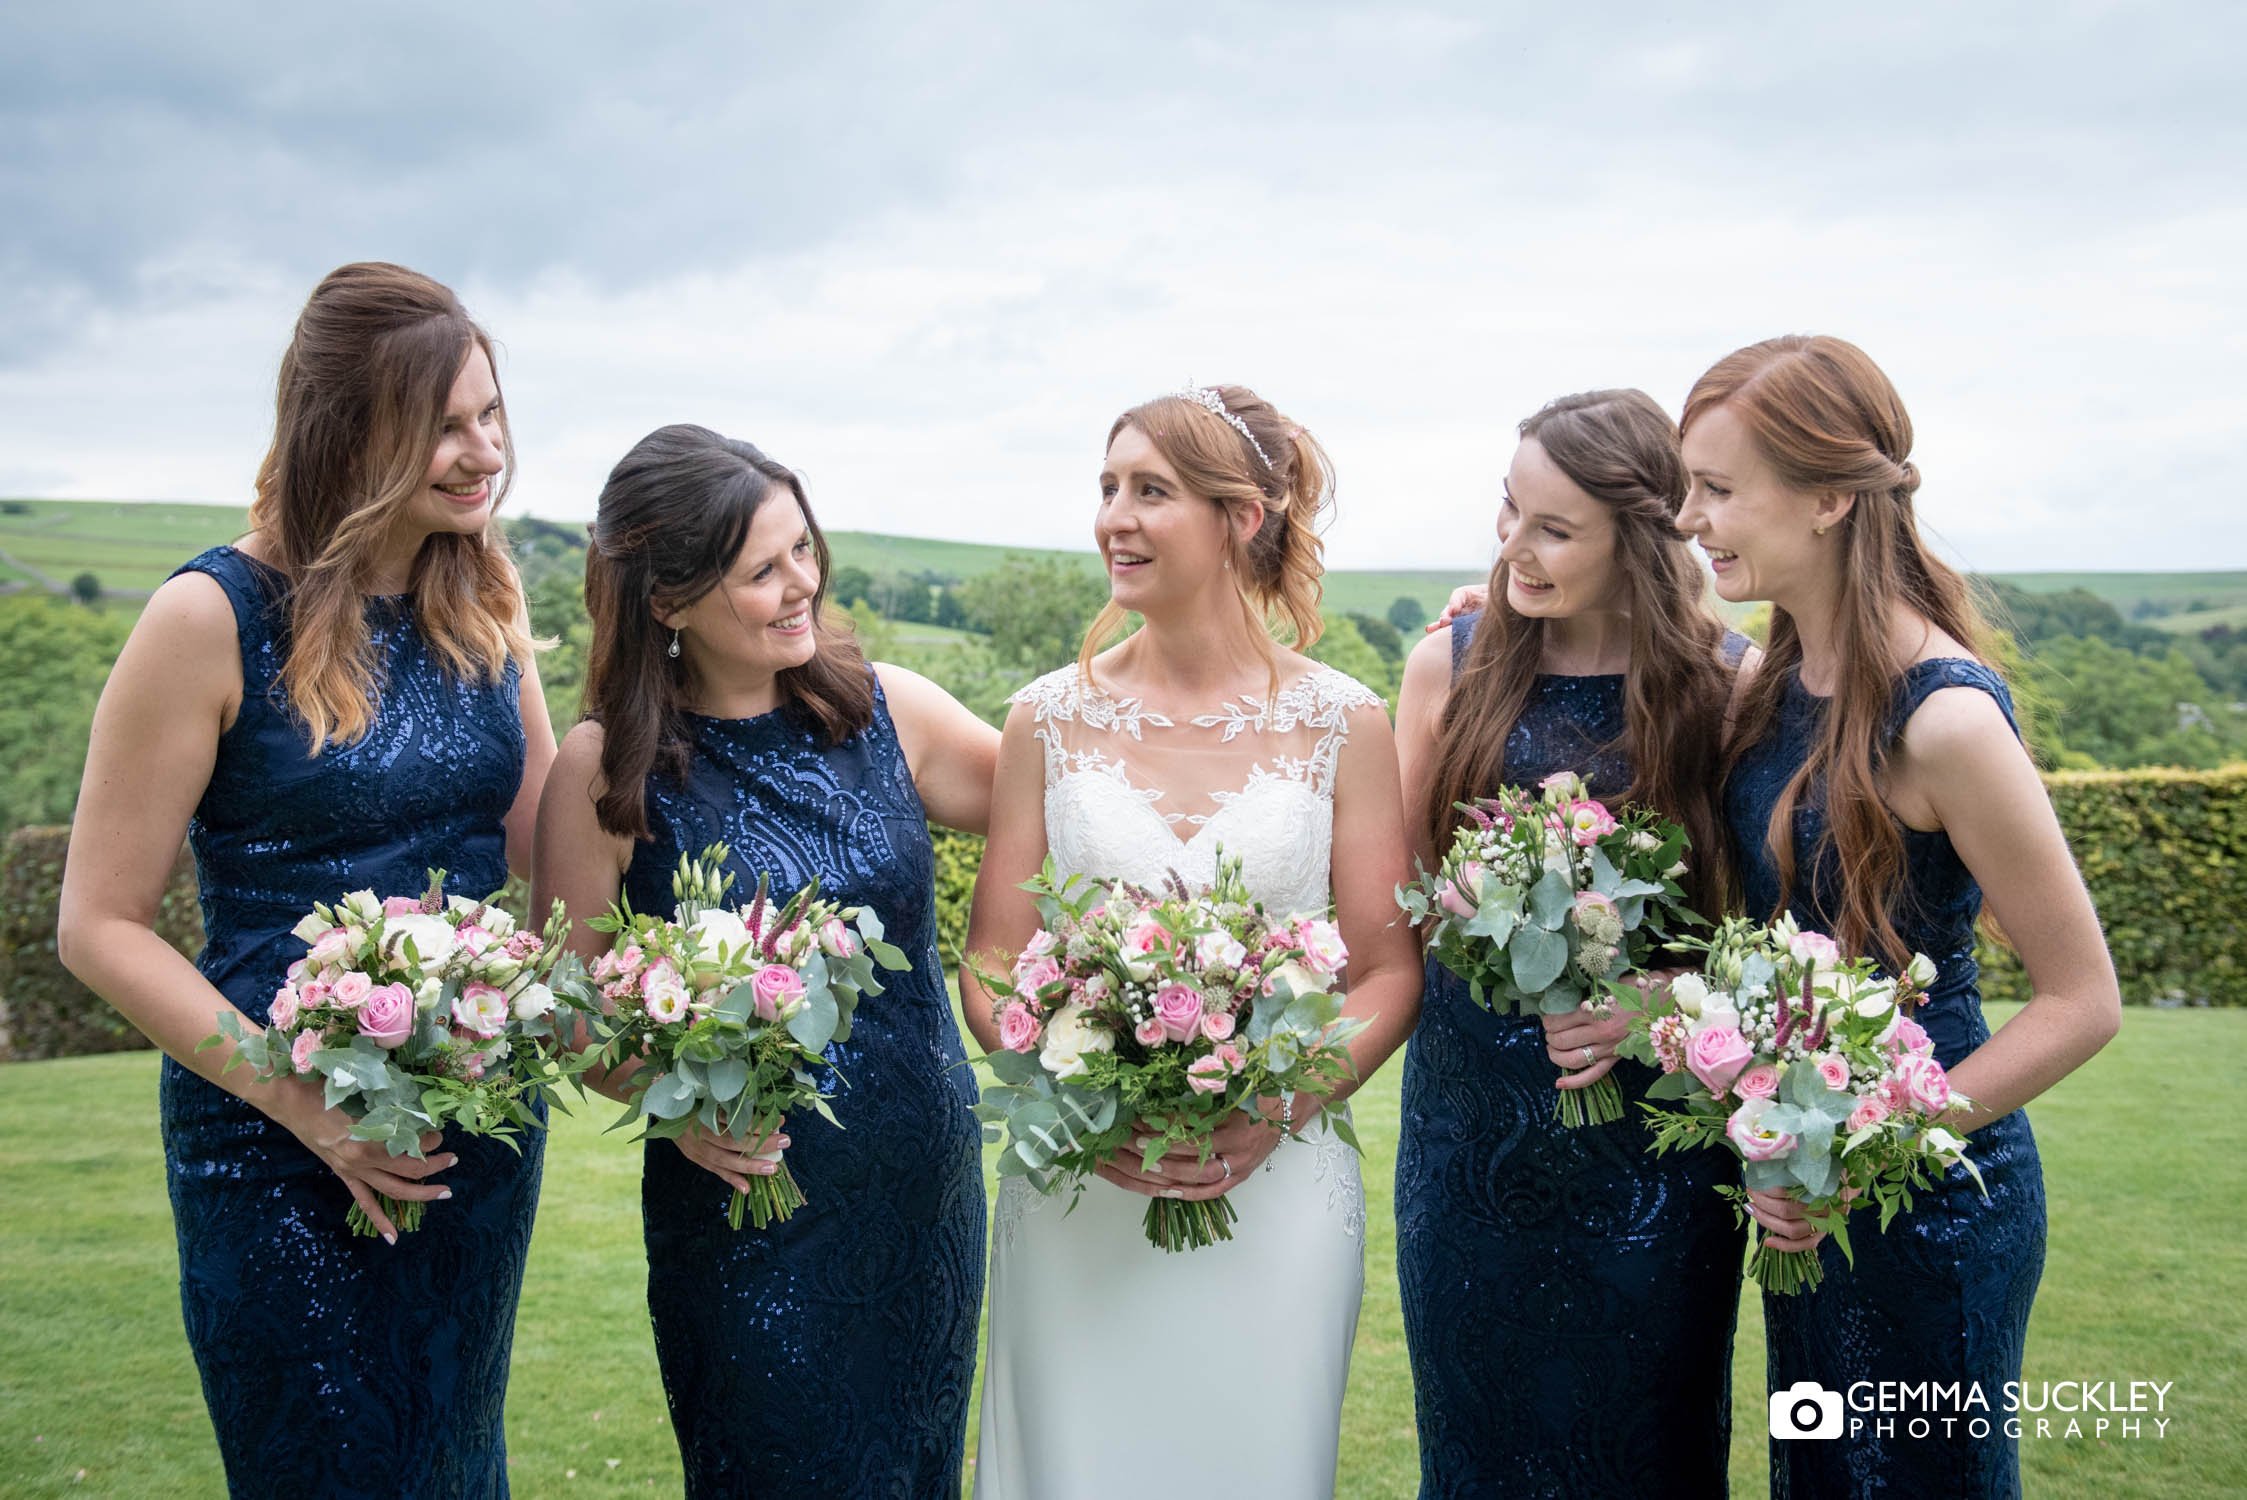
(674,651)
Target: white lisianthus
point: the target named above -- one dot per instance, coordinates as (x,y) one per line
(533,1001)
(361,905)
(1691,992)
(1713,1013)
(1921,970)
(719,932)
(432,937)
(1644,842)
(1300,980)
(427,994)
(311,929)
(1947,1147)
(1068,1037)
(1674,871)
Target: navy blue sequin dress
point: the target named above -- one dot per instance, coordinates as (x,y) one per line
(1945,1294)
(830,1355)
(1569,1298)
(335,1365)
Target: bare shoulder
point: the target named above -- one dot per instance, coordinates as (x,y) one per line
(1955,725)
(195,603)
(1427,667)
(578,761)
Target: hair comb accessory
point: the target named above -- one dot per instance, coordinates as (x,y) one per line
(1207,398)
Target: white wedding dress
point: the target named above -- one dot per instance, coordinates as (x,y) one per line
(1115,1368)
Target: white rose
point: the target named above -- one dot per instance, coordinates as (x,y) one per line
(1674,871)
(1713,1013)
(1644,842)
(1921,970)
(1068,1036)
(532,1001)
(1691,992)
(1300,979)
(719,932)
(432,937)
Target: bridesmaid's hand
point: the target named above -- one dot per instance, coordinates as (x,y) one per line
(734,1160)
(367,1168)
(1581,1043)
(1465,600)
(1785,1226)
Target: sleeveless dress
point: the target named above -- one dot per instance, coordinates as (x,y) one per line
(1569,1297)
(1117,1369)
(335,1365)
(1945,1294)
(830,1355)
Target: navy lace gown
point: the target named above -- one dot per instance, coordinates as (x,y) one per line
(1569,1298)
(1945,1294)
(335,1365)
(830,1355)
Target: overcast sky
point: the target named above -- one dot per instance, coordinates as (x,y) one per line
(926,252)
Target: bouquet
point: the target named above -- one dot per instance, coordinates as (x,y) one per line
(1811,1068)
(417,1013)
(1545,901)
(730,1009)
(1158,1014)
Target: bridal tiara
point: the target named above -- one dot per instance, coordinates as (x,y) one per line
(1207,398)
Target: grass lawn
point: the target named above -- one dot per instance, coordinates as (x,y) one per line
(2145,1280)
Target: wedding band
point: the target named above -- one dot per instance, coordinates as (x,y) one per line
(1228,1166)
(1590,1057)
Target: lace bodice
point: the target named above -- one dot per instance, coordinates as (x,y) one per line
(1132,793)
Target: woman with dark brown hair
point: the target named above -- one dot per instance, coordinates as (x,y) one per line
(1568,1297)
(830,1354)
(343,699)
(1879,791)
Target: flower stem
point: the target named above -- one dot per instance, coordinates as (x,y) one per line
(1599,1104)
(768,1199)
(1175,1224)
(405,1214)
(1785,1272)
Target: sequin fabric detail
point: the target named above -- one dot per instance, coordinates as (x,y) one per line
(1569,1298)
(333,1365)
(833,1354)
(1945,1294)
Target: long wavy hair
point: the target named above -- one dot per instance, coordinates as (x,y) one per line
(1276,571)
(670,523)
(1825,418)
(1620,448)
(357,414)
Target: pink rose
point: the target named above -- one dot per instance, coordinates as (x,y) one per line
(1924,1084)
(1179,1008)
(1218,1025)
(1464,889)
(1230,1056)
(1035,975)
(1870,1110)
(1588,821)
(400,906)
(482,1009)
(1832,1071)
(332,947)
(1018,1027)
(776,989)
(1149,1033)
(298,970)
(1751,1138)
(629,961)
(283,1010)
(1041,943)
(301,1050)
(1814,949)
(1758,1082)
(1145,935)
(386,1016)
(1716,1054)
(312,994)
(352,989)
(1912,1037)
(1208,1075)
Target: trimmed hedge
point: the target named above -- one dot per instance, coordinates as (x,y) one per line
(44,1012)
(2163,853)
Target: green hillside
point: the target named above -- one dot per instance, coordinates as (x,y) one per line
(2172,601)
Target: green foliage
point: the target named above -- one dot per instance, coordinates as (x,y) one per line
(57,657)
(2123,710)
(1382,636)
(958,857)
(44,1010)
(1035,610)
(1407,614)
(2161,852)
(557,605)
(86,589)
(1344,649)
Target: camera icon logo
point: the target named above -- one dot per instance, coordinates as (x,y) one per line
(1806,1409)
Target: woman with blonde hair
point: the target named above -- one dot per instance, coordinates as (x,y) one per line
(1197,731)
(343,699)
(1878,790)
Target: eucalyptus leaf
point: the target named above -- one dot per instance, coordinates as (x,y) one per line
(1538,957)
(1551,899)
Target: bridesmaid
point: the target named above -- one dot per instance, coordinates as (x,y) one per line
(1568,1297)
(344,698)
(1876,741)
(831,1354)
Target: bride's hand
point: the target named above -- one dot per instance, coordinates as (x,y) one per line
(1237,1148)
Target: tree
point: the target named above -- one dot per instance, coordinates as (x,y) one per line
(849,584)
(58,658)
(1035,610)
(1407,615)
(1381,636)
(2123,709)
(1345,650)
(86,589)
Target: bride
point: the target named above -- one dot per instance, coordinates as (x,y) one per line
(1221,1370)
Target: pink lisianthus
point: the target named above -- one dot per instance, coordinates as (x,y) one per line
(1219,950)
(1145,935)
(331,947)
(836,940)
(1870,1110)
(1751,1138)
(1924,1083)
(1218,1025)
(301,1050)
(282,1013)
(1463,890)
(1323,949)
(1208,1075)
(776,990)
(1589,821)
(475,939)
(1034,975)
(1832,1071)
(399,906)
(1716,1054)
(1018,1027)
(482,1009)
(1149,1033)
(1179,1008)
(663,993)
(1911,1038)
(1814,949)
(386,1016)
(1758,1082)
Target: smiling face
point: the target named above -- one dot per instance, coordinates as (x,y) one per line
(456,492)
(1558,543)
(1164,546)
(758,618)
(1759,532)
